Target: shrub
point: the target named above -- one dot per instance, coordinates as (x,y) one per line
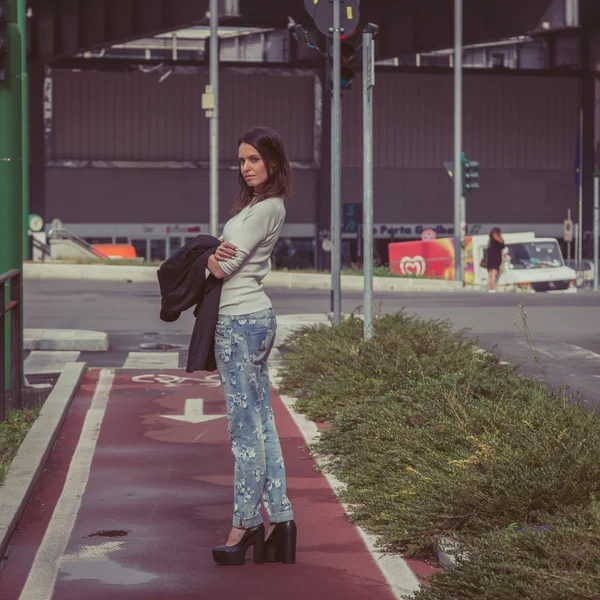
(560,564)
(435,438)
(12,433)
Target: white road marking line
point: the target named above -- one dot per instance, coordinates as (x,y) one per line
(44,571)
(193,412)
(152,360)
(582,352)
(545,352)
(48,361)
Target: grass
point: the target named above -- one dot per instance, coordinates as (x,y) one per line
(435,439)
(12,433)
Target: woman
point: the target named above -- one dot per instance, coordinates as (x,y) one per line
(495,257)
(244,336)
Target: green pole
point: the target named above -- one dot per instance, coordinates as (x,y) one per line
(11,210)
(22,21)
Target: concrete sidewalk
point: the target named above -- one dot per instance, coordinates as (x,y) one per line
(281,279)
(80,340)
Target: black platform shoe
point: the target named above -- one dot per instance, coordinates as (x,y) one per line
(236,555)
(281,545)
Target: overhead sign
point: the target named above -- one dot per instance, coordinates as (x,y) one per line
(311,6)
(349,16)
(568,230)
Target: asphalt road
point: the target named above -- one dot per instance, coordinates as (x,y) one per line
(564,328)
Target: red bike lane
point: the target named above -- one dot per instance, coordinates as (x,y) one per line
(138,489)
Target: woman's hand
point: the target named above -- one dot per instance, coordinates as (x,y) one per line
(226,251)
(215,268)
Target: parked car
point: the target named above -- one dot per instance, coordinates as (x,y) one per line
(584,270)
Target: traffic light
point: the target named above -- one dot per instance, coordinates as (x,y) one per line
(470,171)
(348,51)
(4,40)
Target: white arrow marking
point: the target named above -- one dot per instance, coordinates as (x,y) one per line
(194,412)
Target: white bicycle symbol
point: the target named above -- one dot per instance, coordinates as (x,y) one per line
(176,380)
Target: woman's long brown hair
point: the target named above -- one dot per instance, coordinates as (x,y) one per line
(279,181)
(496,234)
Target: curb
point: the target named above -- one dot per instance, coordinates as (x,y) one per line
(34,271)
(395,569)
(287,324)
(400,578)
(276,279)
(355,283)
(65,339)
(26,468)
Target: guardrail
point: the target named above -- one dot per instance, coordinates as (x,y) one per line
(13,278)
(42,248)
(63,233)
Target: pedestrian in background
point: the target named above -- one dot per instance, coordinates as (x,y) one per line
(244,337)
(495,257)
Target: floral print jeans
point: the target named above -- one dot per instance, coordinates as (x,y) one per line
(242,346)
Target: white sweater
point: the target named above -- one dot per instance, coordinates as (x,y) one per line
(255,231)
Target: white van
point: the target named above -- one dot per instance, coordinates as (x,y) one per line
(534,265)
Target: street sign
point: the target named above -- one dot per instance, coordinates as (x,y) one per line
(352,217)
(311,6)
(369,49)
(349,16)
(568,230)
(428,235)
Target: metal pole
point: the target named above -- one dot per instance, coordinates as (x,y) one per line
(580,242)
(368,84)
(458,248)
(463,233)
(4,354)
(577,263)
(332,194)
(214,120)
(596,227)
(16,333)
(22,21)
(569,243)
(336,146)
(11,209)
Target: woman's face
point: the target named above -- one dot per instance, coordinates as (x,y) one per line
(252,166)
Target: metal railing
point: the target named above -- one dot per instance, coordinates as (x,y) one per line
(58,233)
(13,278)
(44,249)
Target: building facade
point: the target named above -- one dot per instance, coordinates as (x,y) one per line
(127,152)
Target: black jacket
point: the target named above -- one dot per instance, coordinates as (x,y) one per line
(182,284)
